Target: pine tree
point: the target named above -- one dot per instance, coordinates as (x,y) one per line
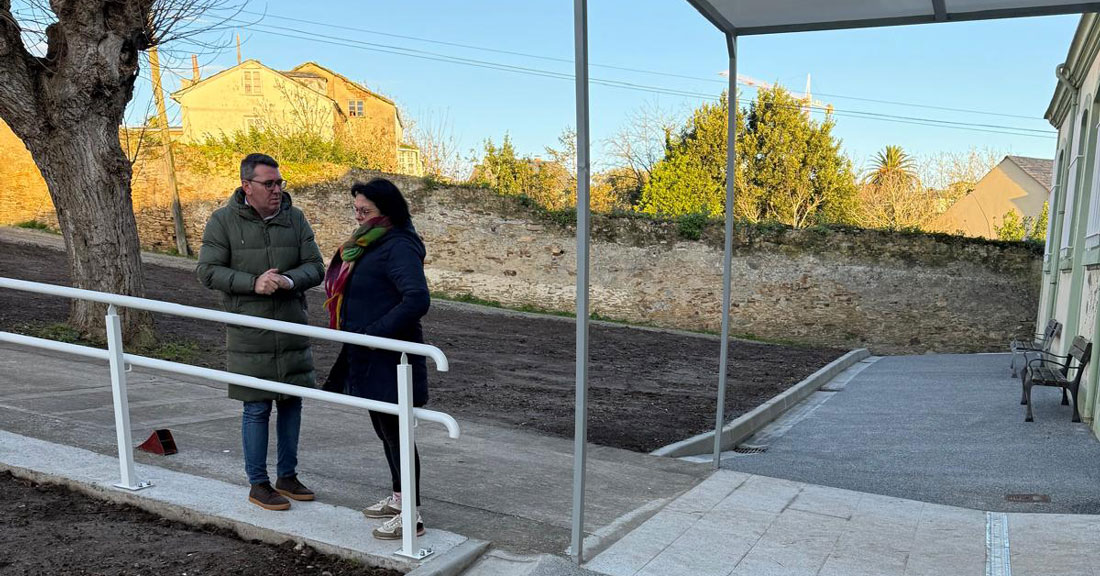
(789,169)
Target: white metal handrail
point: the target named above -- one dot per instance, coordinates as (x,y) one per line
(119,361)
(228,318)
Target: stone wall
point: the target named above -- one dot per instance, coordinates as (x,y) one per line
(892,292)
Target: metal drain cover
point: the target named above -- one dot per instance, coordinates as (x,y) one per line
(1032,498)
(745,449)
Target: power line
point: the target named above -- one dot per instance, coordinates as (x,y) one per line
(1044,133)
(434,56)
(625,68)
(928,106)
(484,48)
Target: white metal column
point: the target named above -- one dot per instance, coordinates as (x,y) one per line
(727,252)
(405,422)
(122,404)
(580,433)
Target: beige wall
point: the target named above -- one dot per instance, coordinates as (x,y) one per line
(1006,188)
(219,105)
(23,194)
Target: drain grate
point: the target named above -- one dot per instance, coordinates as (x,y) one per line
(745,449)
(1032,498)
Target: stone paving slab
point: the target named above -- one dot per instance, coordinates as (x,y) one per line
(767,526)
(1059,544)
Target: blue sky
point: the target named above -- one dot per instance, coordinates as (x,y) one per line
(1003,67)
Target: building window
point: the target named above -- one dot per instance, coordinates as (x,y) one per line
(355,107)
(1092,228)
(408,161)
(1076,174)
(1067,217)
(252,84)
(253,123)
(1051,203)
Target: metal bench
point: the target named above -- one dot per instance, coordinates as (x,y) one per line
(1040,343)
(1047,370)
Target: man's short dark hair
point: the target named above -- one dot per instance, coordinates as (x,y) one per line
(248,165)
(386,197)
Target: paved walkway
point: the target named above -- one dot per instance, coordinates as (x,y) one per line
(744,525)
(907,435)
(947,429)
(498,484)
(733,523)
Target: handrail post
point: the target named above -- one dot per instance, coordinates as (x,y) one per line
(122,404)
(408,462)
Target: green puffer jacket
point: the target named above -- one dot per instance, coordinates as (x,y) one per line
(237,247)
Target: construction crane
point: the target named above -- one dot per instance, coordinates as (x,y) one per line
(808,103)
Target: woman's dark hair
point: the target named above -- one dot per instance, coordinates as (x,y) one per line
(386,197)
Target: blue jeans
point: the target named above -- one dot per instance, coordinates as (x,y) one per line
(254,432)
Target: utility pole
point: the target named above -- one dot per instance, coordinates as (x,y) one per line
(809,98)
(238,48)
(166,138)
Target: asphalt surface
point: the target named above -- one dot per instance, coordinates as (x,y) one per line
(945,429)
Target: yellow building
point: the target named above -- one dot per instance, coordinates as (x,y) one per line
(23,195)
(1018,184)
(308,98)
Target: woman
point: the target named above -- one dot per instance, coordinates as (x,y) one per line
(375,285)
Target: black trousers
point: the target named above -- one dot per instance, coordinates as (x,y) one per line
(386,426)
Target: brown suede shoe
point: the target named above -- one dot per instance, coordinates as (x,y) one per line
(292,488)
(264,496)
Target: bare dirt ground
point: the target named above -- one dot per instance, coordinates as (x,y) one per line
(51,530)
(647,388)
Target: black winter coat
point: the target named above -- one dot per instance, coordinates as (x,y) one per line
(386,296)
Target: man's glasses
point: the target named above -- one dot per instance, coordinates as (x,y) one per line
(271,184)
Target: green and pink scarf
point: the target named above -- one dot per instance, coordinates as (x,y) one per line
(343,262)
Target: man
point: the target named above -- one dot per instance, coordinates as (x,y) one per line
(258,250)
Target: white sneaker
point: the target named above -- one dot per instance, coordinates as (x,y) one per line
(384,508)
(391,529)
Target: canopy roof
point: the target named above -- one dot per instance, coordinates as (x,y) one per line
(747,17)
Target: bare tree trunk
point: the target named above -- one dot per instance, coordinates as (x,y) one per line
(66,106)
(88,176)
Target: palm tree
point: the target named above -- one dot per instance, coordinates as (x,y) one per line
(892,164)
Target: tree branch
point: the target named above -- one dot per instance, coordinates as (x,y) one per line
(19,105)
